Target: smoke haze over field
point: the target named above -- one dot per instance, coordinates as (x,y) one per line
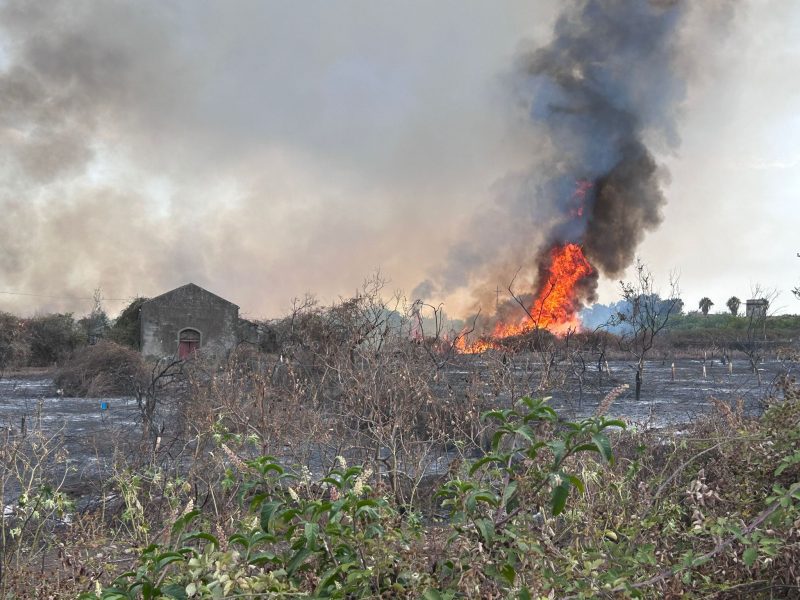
(267,149)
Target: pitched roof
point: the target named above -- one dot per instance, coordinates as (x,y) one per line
(192,286)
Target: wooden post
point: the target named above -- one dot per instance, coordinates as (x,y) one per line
(673,371)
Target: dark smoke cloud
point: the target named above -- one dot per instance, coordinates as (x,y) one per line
(604,89)
(602,98)
(626,204)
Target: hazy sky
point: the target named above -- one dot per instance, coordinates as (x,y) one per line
(266,149)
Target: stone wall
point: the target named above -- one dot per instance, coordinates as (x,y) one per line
(756,308)
(188,307)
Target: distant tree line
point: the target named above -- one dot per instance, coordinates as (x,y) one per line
(605,315)
(47,340)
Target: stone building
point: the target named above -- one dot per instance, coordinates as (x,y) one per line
(756,308)
(181,321)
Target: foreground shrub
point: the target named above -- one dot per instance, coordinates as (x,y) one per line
(340,538)
(710,514)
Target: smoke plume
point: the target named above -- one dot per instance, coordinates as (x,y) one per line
(605,83)
(602,97)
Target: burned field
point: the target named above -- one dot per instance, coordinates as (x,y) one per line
(94,432)
(366,434)
(677,392)
(398,426)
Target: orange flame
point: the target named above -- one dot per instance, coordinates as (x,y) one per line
(555,307)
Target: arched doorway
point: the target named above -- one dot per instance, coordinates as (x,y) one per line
(188,343)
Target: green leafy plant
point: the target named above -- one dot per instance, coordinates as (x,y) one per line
(530,455)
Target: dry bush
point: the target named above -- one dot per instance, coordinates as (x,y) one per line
(104,369)
(347,380)
(258,395)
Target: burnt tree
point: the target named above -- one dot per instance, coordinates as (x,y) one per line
(643,318)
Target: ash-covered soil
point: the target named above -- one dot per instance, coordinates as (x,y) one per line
(93,436)
(577,387)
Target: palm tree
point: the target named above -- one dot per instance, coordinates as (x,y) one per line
(705,305)
(733,305)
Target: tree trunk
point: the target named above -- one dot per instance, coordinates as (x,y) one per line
(638,384)
(600,360)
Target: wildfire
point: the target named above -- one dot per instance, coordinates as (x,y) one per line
(556,304)
(556,307)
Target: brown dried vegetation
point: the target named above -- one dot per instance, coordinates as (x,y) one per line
(710,511)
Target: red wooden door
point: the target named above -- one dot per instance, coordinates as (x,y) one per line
(188,343)
(186,349)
